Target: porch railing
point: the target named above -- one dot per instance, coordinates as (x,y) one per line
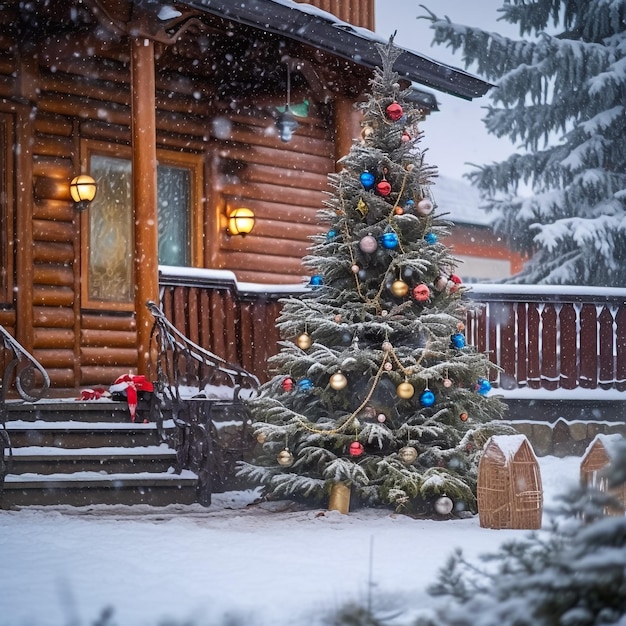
(550,338)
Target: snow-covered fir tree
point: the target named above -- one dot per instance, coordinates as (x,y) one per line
(375,386)
(560,96)
(571,574)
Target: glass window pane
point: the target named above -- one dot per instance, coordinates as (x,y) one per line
(174,193)
(110,273)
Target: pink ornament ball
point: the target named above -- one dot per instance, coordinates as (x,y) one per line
(425,206)
(368,244)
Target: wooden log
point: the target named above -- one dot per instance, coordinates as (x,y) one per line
(108,338)
(56,126)
(53,317)
(47,295)
(57,212)
(53,252)
(62,359)
(104,375)
(53,338)
(61,378)
(53,274)
(271,264)
(48,230)
(101,321)
(118,357)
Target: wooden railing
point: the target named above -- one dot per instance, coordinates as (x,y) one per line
(541,337)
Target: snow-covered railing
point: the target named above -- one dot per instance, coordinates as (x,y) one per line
(552,337)
(542,337)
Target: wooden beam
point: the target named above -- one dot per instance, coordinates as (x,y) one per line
(144,159)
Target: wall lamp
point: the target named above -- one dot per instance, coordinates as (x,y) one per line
(83,191)
(286,120)
(240,221)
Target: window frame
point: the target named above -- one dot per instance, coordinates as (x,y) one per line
(194,162)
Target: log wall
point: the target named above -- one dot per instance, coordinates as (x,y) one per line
(55,103)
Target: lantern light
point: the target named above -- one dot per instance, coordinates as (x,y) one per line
(240,221)
(83,190)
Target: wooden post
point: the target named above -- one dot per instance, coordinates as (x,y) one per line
(25,138)
(144,160)
(347,127)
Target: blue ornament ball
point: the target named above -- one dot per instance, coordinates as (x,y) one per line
(458,340)
(409,206)
(430,238)
(305,384)
(331,234)
(316,280)
(367,180)
(389,240)
(427,398)
(483,387)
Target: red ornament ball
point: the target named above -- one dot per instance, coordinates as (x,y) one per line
(356,449)
(454,283)
(287,384)
(394,111)
(421,292)
(383,188)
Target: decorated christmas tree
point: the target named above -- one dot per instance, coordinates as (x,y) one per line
(375,388)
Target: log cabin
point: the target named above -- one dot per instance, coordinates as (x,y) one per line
(171,107)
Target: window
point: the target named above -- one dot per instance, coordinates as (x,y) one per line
(108,248)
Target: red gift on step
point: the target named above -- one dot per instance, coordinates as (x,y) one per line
(129,386)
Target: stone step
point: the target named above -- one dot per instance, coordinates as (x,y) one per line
(89,488)
(43,460)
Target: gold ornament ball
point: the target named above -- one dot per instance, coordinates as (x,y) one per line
(304,341)
(261,437)
(399,288)
(405,390)
(285,458)
(407,454)
(386,346)
(338,381)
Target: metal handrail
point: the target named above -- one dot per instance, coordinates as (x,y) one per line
(23,366)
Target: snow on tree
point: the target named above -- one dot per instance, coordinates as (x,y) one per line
(374,385)
(572,573)
(561,97)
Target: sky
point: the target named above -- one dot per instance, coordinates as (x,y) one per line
(267,564)
(454,136)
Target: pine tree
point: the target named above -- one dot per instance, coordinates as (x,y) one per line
(374,385)
(561,97)
(571,574)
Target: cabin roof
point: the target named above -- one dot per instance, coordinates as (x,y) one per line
(310,25)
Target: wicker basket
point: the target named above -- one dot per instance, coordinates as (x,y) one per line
(509,484)
(598,457)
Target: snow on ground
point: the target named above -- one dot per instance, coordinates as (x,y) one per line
(266,564)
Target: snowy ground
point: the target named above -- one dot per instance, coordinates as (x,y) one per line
(267,565)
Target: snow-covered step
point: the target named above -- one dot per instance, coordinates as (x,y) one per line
(48,460)
(73,434)
(83,488)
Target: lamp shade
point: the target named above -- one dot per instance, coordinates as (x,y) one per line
(286,124)
(83,188)
(240,221)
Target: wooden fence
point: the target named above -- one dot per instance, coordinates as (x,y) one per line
(542,337)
